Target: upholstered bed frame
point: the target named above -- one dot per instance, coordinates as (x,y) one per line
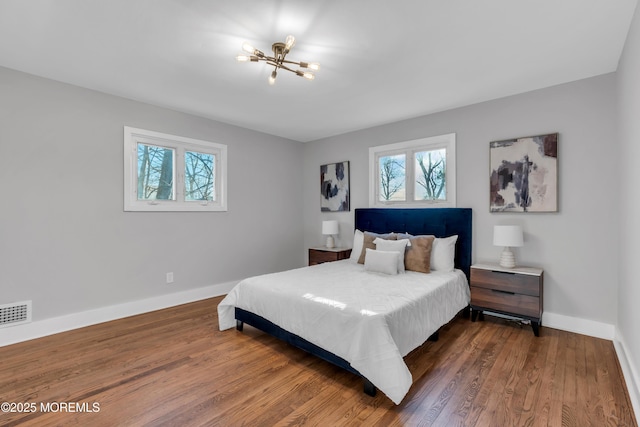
(440,222)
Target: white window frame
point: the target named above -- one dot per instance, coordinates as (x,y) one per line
(133,136)
(409,148)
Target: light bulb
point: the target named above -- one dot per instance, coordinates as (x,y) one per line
(243,58)
(312,65)
(308,75)
(272,77)
(289,42)
(247,47)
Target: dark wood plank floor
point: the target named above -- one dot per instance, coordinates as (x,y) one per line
(173,367)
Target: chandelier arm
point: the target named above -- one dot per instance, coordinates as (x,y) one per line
(304,64)
(275,64)
(258,58)
(286,68)
(286,61)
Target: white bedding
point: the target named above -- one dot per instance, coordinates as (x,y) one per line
(372,320)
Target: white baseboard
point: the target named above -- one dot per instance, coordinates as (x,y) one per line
(579,326)
(629,371)
(41,328)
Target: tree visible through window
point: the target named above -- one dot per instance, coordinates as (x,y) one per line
(199,173)
(155,172)
(430,175)
(392,177)
(171,173)
(419,172)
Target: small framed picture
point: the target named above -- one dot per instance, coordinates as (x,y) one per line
(334,187)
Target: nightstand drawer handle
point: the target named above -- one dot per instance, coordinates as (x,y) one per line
(503,292)
(503,272)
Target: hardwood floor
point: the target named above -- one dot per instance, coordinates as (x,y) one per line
(173,367)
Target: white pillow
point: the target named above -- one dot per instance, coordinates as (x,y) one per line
(356,249)
(381,261)
(443,253)
(394,245)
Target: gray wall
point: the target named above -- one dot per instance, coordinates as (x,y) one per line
(629,207)
(577,247)
(66,243)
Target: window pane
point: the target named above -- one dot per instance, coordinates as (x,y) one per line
(155,173)
(198,176)
(392,177)
(430,168)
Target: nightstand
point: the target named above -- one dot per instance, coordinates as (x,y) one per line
(515,292)
(324,254)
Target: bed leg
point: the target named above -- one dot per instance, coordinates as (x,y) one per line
(369,388)
(435,336)
(239,325)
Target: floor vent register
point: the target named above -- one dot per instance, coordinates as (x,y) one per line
(15,313)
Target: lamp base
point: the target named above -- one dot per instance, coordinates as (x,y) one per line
(330,242)
(507,259)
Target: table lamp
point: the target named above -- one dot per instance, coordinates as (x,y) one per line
(329,228)
(509,236)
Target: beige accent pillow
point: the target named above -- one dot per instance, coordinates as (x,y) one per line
(417,257)
(367,242)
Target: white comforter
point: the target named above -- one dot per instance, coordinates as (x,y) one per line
(372,320)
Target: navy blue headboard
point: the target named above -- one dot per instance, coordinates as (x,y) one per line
(440,222)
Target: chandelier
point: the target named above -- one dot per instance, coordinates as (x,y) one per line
(280,51)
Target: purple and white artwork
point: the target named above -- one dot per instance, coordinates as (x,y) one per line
(524,174)
(334,187)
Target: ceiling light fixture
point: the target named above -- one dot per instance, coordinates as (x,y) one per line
(280,51)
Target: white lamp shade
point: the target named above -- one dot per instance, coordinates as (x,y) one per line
(330,227)
(508,235)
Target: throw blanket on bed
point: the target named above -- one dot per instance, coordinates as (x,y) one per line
(371,320)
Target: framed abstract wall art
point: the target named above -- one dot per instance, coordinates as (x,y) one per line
(524,174)
(334,187)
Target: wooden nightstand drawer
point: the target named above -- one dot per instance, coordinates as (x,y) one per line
(506,281)
(511,291)
(320,255)
(518,304)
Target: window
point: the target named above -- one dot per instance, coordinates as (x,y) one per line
(172,173)
(414,173)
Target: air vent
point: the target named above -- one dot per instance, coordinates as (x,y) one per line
(15,314)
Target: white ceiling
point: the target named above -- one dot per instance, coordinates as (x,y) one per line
(381,61)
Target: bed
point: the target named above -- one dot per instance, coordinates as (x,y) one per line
(361,320)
